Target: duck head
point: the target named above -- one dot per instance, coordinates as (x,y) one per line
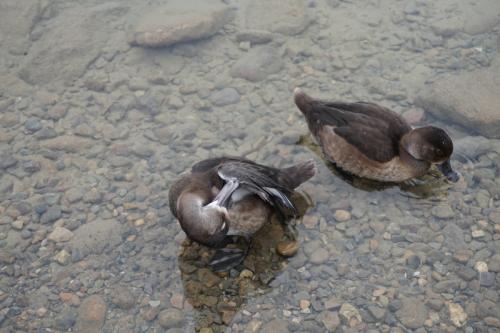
(206,224)
(431,144)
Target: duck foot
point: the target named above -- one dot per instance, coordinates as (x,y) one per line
(227,258)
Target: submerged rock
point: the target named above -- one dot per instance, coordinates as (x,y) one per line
(91,315)
(413,313)
(285,17)
(257,64)
(180,21)
(470,99)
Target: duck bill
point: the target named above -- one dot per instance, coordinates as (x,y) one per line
(448,172)
(222,198)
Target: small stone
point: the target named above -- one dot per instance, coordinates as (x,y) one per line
(170,318)
(208,277)
(155,304)
(41,312)
(478,233)
(65,321)
(52,214)
(342,215)
(254,36)
(481,266)
(246,274)
(487,279)
(350,314)
(275,326)
(310,221)
(60,234)
(257,64)
(443,211)
(122,297)
(63,257)
(330,319)
(33,124)
(319,256)
(287,248)
(457,314)
(377,312)
(304,304)
(91,315)
(412,313)
(492,321)
(150,314)
(414,116)
(225,97)
(18,224)
(462,255)
(139,222)
(177,301)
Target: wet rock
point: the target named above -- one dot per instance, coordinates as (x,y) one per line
(492,321)
(257,64)
(52,214)
(91,315)
(67,143)
(454,237)
(170,318)
(457,314)
(97,235)
(179,21)
(254,36)
(319,256)
(122,297)
(65,320)
(443,211)
(350,314)
(46,133)
(60,234)
(275,326)
(487,279)
(33,124)
(289,18)
(342,215)
(207,277)
(62,257)
(472,146)
(70,42)
(470,99)
(412,314)
(330,320)
(287,248)
(377,312)
(225,97)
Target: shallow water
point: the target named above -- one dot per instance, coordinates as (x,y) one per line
(94,131)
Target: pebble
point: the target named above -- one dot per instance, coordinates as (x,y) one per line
(342,215)
(304,304)
(122,297)
(52,214)
(170,318)
(226,96)
(287,248)
(330,320)
(481,266)
(63,257)
(60,234)
(33,124)
(443,211)
(257,64)
(350,314)
(319,256)
(65,321)
(487,279)
(91,315)
(457,314)
(310,221)
(254,36)
(478,233)
(18,224)
(412,313)
(246,274)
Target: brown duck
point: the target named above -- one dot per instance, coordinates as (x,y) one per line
(232,196)
(373,142)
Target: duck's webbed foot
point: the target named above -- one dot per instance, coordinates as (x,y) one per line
(226,258)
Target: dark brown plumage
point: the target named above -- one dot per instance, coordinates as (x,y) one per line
(374,142)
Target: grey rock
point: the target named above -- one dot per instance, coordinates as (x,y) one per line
(97,235)
(377,312)
(179,21)
(449,286)
(466,273)
(487,279)
(472,146)
(7,160)
(170,318)
(51,215)
(443,211)
(289,18)
(122,297)
(454,237)
(65,320)
(413,313)
(46,133)
(254,36)
(225,97)
(31,166)
(257,64)
(330,320)
(471,99)
(275,326)
(91,315)
(33,124)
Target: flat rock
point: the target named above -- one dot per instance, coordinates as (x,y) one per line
(171,318)
(60,234)
(95,236)
(275,326)
(91,315)
(70,42)
(285,17)
(470,99)
(257,64)
(225,97)
(454,237)
(179,21)
(413,313)
(457,314)
(254,36)
(67,143)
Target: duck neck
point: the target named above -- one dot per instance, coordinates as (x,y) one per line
(193,218)
(419,167)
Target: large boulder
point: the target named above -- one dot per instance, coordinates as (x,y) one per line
(471,99)
(179,21)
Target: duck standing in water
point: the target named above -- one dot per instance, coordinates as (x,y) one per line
(373,142)
(232,196)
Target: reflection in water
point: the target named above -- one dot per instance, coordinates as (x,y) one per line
(217,297)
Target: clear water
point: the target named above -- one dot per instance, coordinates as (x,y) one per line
(94,131)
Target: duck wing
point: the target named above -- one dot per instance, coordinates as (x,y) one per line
(257,179)
(373,130)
